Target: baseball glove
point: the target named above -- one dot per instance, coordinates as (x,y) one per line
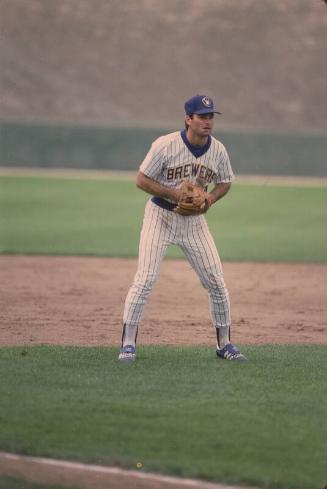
(192,201)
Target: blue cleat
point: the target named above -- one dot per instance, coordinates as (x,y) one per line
(231,352)
(127,354)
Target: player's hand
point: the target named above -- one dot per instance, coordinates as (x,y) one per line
(206,204)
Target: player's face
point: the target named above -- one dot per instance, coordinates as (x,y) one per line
(201,124)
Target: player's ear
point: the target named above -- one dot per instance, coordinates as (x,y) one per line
(188,118)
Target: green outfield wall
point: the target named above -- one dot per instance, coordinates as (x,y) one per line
(94,147)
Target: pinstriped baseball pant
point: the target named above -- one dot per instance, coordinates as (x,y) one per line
(161,228)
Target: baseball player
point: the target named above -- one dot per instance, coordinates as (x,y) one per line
(176,172)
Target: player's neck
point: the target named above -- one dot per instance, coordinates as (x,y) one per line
(195,139)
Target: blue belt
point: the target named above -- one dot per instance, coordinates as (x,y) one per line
(163,203)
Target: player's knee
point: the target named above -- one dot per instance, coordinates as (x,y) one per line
(146,282)
(215,282)
(218,292)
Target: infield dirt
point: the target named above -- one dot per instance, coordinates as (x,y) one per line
(79,301)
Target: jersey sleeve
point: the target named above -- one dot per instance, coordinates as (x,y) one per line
(153,163)
(225,173)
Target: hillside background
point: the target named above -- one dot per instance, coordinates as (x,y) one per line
(132,63)
(138,60)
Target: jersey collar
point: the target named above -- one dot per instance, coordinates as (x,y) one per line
(196,151)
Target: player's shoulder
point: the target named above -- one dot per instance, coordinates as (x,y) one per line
(166,140)
(219,149)
(217,144)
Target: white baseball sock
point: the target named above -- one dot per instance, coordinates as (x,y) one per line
(129,334)
(223,337)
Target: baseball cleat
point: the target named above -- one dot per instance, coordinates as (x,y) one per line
(127,354)
(231,352)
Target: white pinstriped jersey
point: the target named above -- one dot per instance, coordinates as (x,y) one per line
(170,161)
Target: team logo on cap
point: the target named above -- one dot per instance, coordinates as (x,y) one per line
(206,101)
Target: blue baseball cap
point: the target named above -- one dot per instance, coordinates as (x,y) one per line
(200,104)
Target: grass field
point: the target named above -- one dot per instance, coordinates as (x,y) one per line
(18,483)
(178,411)
(57,216)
